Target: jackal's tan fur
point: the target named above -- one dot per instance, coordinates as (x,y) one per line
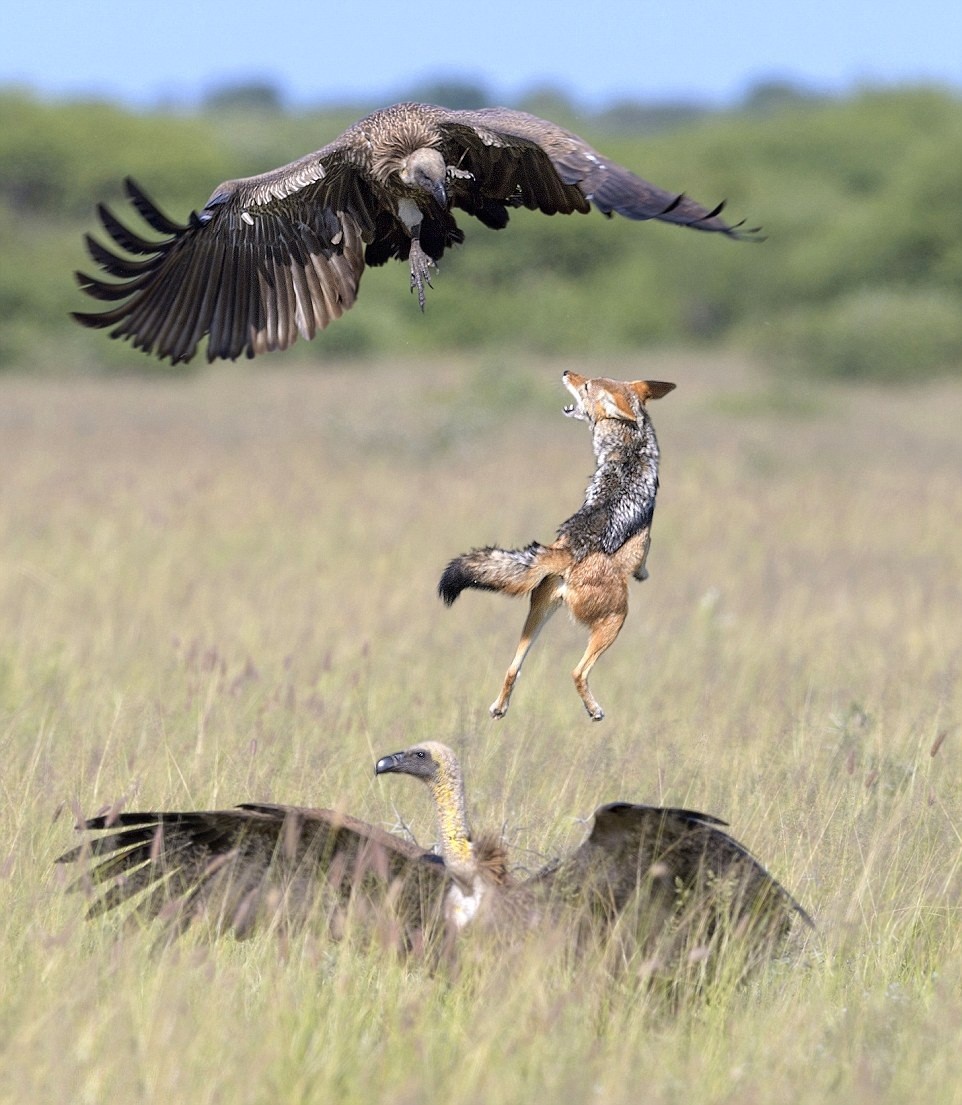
(587,568)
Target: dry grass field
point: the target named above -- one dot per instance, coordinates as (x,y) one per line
(222,588)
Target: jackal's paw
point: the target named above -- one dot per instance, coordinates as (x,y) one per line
(596,714)
(497,709)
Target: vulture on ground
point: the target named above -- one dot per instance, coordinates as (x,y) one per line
(281,254)
(642,871)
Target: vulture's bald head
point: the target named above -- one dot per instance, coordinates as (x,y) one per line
(425,171)
(428,761)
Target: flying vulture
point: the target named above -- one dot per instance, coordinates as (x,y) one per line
(256,863)
(281,254)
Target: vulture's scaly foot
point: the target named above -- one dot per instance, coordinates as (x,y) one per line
(421,265)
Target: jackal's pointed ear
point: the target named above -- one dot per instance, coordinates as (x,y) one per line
(615,404)
(651,389)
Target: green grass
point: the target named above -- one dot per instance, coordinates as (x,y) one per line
(222,588)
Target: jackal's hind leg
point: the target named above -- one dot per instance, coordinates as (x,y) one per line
(545,600)
(603,634)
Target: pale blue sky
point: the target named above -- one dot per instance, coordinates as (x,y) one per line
(317,51)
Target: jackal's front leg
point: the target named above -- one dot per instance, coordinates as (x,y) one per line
(545,600)
(641,572)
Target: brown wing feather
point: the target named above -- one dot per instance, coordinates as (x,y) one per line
(669,860)
(555,170)
(252,271)
(234,867)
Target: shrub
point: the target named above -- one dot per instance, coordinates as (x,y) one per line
(876,333)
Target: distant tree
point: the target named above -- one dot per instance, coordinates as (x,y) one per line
(767,96)
(452,92)
(636,117)
(551,102)
(261,96)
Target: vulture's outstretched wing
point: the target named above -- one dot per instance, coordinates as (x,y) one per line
(531,162)
(666,864)
(251,271)
(238,867)
(650,879)
(275,256)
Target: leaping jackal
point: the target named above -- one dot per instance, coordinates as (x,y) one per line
(598,548)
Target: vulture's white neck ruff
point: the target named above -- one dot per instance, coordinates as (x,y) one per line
(462,906)
(410,214)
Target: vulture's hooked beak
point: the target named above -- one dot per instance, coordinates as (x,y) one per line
(416,761)
(440,194)
(387,764)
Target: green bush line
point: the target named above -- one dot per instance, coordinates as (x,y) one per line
(858,277)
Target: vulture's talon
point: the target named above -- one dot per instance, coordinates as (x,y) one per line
(421,265)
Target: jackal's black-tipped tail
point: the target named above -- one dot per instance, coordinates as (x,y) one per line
(454,579)
(511,571)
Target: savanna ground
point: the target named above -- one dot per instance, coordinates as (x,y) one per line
(222,588)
